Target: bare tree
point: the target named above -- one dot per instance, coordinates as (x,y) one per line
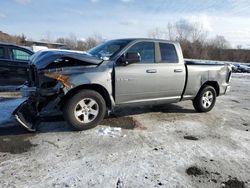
(183,30)
(156,33)
(73,43)
(198,33)
(219,42)
(47,37)
(170,32)
(93,41)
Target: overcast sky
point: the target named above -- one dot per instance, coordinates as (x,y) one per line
(123,18)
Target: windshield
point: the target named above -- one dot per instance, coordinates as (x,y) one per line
(108,49)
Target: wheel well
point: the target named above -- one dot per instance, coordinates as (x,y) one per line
(98,88)
(214,84)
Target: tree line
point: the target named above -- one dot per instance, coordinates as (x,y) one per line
(70,42)
(193,38)
(196,44)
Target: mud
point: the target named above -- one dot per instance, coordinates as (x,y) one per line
(123,122)
(189,137)
(204,176)
(15,144)
(233,183)
(236,101)
(194,171)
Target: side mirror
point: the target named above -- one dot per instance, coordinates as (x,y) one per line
(129,58)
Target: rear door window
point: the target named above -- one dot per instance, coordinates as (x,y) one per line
(20,55)
(146,51)
(168,53)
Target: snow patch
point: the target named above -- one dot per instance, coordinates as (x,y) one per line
(6,109)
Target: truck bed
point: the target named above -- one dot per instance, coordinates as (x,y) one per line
(203,62)
(200,71)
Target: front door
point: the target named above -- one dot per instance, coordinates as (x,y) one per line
(136,81)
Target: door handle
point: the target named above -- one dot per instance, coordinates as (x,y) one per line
(178,70)
(151,71)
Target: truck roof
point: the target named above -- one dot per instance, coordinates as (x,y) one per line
(148,39)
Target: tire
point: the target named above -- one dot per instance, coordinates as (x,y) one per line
(85,110)
(205,99)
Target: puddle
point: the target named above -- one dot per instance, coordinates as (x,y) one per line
(15,144)
(189,137)
(123,122)
(232,183)
(194,171)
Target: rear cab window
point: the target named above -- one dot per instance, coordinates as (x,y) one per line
(146,51)
(168,53)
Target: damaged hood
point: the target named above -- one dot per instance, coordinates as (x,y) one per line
(42,59)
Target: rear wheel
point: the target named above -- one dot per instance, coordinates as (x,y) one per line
(205,99)
(85,110)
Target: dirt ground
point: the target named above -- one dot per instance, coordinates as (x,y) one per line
(158,146)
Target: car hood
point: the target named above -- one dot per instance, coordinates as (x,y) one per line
(43,59)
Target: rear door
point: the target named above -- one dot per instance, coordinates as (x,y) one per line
(171,72)
(13,66)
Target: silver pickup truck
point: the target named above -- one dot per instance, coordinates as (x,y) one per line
(85,86)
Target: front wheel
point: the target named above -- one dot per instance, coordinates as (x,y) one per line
(85,110)
(205,99)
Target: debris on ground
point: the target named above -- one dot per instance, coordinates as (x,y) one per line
(110,131)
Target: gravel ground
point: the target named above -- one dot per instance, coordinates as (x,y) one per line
(158,146)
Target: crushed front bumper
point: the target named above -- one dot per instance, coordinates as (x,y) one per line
(26,115)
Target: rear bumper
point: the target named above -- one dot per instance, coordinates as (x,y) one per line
(224,89)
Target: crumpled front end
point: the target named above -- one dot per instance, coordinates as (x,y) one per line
(26,115)
(47,95)
(47,85)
